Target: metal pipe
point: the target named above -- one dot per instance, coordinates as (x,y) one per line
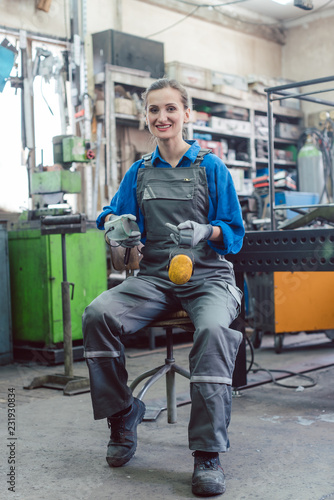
(59,220)
(67,329)
(279,207)
(63,253)
(271,163)
(97,168)
(303,98)
(300,84)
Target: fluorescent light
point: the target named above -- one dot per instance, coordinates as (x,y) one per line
(283,2)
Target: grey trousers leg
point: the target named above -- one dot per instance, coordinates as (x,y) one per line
(124,309)
(212,309)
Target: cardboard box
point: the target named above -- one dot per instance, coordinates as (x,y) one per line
(191,76)
(230,126)
(124,106)
(216,146)
(99,108)
(231,91)
(226,79)
(287,131)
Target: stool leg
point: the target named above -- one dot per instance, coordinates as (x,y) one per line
(170,379)
(171,397)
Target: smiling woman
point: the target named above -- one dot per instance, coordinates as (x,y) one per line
(167,110)
(184,203)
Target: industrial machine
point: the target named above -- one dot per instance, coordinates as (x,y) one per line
(289,266)
(290,302)
(36,276)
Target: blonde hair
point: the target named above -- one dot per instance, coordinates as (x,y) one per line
(164,83)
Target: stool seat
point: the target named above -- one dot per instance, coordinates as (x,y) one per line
(177,319)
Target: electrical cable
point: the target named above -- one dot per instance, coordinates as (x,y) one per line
(175,24)
(250,344)
(198,6)
(244,21)
(270,372)
(46,102)
(235,18)
(292,374)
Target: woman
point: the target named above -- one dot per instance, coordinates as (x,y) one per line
(178,194)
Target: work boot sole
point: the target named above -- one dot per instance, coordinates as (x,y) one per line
(118,462)
(208,490)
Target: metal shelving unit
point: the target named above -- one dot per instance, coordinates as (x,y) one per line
(275,95)
(141,80)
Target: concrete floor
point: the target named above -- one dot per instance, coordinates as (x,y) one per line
(282,440)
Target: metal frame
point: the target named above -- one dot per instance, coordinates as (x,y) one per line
(289,250)
(281,91)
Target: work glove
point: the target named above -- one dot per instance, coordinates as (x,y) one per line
(190,233)
(123,229)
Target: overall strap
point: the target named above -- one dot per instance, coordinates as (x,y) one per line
(201,153)
(147,160)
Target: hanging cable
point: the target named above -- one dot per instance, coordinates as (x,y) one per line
(46,102)
(175,24)
(197,6)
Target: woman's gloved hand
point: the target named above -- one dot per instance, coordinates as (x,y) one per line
(190,233)
(123,229)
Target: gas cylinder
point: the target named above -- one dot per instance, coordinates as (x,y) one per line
(310,167)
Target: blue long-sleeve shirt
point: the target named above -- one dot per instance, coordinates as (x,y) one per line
(224,207)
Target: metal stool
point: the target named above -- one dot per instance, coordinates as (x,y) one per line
(179,319)
(129,261)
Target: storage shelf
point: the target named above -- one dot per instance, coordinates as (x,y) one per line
(209,130)
(278,140)
(237,163)
(277,162)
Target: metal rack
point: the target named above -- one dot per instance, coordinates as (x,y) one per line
(280,93)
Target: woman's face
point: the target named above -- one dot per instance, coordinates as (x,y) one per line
(165,113)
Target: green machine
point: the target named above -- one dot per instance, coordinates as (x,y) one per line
(36,276)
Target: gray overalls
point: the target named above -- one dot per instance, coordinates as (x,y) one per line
(210,298)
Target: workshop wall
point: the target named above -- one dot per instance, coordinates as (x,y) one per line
(224,50)
(23,15)
(309,54)
(203,44)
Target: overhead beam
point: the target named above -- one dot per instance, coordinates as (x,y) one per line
(230,18)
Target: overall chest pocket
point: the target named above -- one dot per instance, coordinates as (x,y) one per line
(172,190)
